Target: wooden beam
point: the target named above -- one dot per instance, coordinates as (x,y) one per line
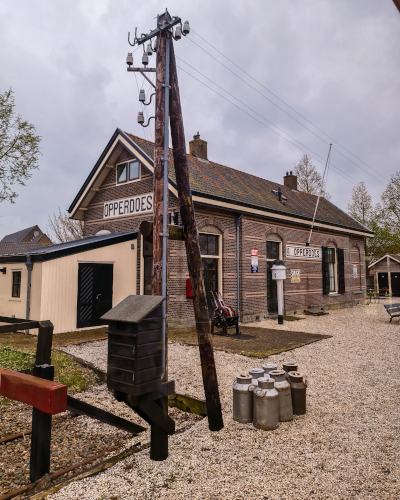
(47,396)
(82,408)
(27,325)
(193,254)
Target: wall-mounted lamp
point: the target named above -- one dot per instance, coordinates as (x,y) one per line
(3,270)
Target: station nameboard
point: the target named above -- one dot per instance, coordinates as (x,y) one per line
(128,206)
(303,252)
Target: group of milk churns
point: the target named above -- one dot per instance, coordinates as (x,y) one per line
(267,396)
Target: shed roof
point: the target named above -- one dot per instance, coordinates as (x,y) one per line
(134,308)
(51,252)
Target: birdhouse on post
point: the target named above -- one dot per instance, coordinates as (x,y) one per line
(134,368)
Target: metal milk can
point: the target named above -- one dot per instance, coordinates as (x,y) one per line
(298,388)
(242,399)
(285,398)
(268,367)
(255,374)
(266,405)
(289,366)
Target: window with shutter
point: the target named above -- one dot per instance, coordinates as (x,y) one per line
(325,271)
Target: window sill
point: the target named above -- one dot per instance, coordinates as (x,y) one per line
(358,291)
(14,299)
(333,294)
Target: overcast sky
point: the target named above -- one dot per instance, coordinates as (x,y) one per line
(336,62)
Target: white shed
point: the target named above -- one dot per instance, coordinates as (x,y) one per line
(71,284)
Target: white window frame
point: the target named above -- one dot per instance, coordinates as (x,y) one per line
(219,257)
(335,273)
(127,162)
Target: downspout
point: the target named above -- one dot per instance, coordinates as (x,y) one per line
(238,221)
(29,267)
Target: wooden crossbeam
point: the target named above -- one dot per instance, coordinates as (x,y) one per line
(15,327)
(44,395)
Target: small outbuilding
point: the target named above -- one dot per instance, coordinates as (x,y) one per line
(385,275)
(71,284)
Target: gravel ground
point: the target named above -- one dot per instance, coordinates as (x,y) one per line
(73,440)
(346,447)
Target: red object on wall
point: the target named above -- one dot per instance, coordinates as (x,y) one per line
(49,397)
(188,289)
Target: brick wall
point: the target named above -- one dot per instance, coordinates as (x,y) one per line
(254,233)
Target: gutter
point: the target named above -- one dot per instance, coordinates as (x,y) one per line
(238,222)
(29,266)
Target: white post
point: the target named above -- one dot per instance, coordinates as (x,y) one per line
(279,274)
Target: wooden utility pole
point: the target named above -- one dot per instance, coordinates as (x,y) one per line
(193,254)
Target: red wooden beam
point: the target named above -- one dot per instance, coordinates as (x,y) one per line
(46,396)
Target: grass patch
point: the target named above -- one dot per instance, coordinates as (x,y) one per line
(16,360)
(70,373)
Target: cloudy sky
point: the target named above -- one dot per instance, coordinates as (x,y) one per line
(332,66)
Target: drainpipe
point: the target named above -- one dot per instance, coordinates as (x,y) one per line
(29,267)
(238,222)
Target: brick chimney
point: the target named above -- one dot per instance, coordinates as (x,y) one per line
(198,147)
(290,180)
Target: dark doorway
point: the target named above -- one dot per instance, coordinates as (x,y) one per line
(273,253)
(395,278)
(272,293)
(383,282)
(95,290)
(210,277)
(148,264)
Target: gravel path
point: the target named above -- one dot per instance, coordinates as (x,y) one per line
(346,447)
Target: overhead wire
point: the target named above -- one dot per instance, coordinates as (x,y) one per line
(254,111)
(314,155)
(284,111)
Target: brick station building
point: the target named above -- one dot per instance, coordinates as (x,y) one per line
(241,218)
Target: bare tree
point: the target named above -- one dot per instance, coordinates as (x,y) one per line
(361,207)
(19,148)
(62,229)
(309,180)
(391,201)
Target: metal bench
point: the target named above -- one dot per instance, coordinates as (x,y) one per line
(393,310)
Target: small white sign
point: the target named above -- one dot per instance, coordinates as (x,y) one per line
(254,260)
(128,206)
(300,252)
(295,275)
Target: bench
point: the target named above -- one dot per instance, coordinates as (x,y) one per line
(393,310)
(223,316)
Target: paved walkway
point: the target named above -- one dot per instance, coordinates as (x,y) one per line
(346,447)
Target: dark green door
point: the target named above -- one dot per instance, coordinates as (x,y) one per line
(95,290)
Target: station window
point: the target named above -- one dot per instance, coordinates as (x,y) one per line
(331,258)
(129,171)
(16,284)
(209,249)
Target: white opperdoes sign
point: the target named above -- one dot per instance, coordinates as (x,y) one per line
(303,252)
(128,206)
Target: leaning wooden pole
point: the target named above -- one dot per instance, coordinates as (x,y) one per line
(203,325)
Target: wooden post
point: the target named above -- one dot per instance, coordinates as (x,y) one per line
(209,372)
(159,438)
(44,343)
(41,432)
(41,422)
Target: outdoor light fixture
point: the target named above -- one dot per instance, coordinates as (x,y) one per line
(140,118)
(142,96)
(145,59)
(129,59)
(178,33)
(186,28)
(149,50)
(3,270)
(155,45)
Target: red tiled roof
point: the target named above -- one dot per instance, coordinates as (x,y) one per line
(212,179)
